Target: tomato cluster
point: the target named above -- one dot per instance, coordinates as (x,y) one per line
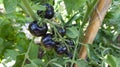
(48,38)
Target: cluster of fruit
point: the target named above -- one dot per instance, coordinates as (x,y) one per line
(48,38)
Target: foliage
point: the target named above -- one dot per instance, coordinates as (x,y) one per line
(20,49)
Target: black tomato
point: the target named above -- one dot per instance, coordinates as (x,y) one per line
(60,49)
(49,12)
(47,41)
(62,31)
(37,30)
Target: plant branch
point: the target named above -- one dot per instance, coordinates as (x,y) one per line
(26,54)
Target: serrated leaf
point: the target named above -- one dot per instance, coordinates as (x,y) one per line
(72,32)
(9,5)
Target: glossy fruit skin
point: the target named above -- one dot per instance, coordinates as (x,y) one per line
(47,41)
(49,12)
(62,31)
(37,30)
(60,49)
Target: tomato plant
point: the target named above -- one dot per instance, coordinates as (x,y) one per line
(50,33)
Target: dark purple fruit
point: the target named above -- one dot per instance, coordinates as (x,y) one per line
(47,37)
(47,41)
(60,49)
(49,44)
(37,30)
(62,31)
(49,12)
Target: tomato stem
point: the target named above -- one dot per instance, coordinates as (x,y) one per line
(26,54)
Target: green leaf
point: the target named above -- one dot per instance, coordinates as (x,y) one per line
(20,35)
(33,51)
(72,32)
(39,7)
(10,16)
(1,41)
(11,53)
(9,5)
(4,22)
(22,45)
(117,61)
(38,62)
(73,5)
(19,61)
(1,45)
(82,63)
(111,61)
(31,65)
(10,57)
